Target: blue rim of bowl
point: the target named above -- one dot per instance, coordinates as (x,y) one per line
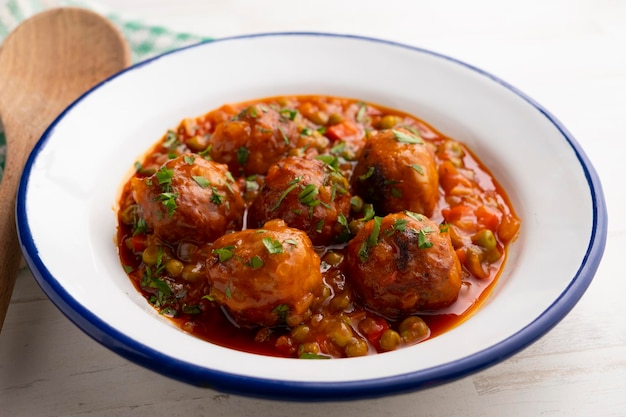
(316,391)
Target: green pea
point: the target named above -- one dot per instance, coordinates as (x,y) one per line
(174,267)
(356,347)
(300,333)
(341,334)
(310,347)
(151,255)
(413,329)
(356,204)
(340,302)
(388,121)
(334,119)
(390,340)
(191,273)
(333,258)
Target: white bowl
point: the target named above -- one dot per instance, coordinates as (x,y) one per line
(67,198)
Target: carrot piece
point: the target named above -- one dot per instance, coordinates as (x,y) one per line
(345,130)
(488,217)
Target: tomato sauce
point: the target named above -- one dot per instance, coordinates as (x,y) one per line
(247,140)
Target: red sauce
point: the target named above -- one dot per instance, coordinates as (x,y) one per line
(470,206)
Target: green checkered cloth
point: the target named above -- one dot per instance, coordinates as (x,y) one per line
(145,41)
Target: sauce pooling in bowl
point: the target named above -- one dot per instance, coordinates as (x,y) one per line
(313,227)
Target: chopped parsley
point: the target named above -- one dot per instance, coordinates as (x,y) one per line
(193,310)
(308,355)
(396,192)
(403,137)
(422,241)
(308,195)
(216,198)
(284,135)
(272,246)
(242,155)
(361,114)
(256,262)
(171,139)
(398,226)
(164,178)
(225,253)
(418,168)
(292,184)
(206,153)
(169,201)
(201,181)
(414,216)
(289,113)
(189,159)
(369,173)
(281,311)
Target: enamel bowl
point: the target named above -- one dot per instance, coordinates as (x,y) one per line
(67,199)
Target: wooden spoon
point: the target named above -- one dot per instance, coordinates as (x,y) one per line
(45,64)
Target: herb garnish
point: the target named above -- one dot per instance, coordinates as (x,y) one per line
(422,242)
(164,177)
(171,139)
(256,262)
(292,184)
(289,113)
(372,239)
(406,138)
(284,135)
(169,201)
(369,173)
(398,226)
(272,246)
(418,168)
(281,311)
(242,155)
(308,195)
(224,253)
(201,181)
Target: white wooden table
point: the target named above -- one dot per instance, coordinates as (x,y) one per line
(570,56)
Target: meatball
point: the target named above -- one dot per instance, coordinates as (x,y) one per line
(253,140)
(396,171)
(308,195)
(265,277)
(189,199)
(402,264)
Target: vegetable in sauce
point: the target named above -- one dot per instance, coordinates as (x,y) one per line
(313,227)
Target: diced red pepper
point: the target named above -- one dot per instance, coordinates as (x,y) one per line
(346,130)
(373,328)
(138,243)
(489,217)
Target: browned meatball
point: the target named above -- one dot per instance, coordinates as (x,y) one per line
(265,277)
(308,195)
(402,264)
(253,140)
(396,171)
(191,199)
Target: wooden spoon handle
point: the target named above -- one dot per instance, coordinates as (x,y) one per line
(45,64)
(10,252)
